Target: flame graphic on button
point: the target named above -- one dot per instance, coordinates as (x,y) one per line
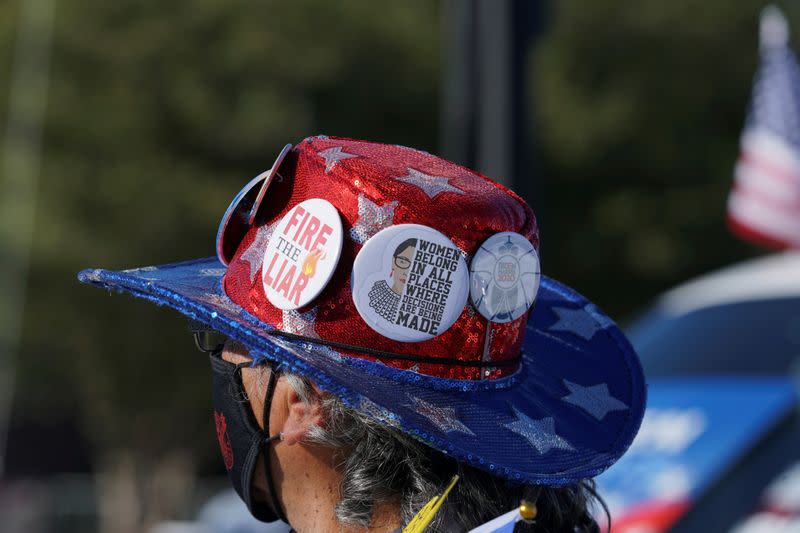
(310,263)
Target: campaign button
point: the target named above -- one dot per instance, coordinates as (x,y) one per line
(504,277)
(242,210)
(410,283)
(268,177)
(302,254)
(234,225)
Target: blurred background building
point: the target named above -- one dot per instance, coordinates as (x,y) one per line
(129,125)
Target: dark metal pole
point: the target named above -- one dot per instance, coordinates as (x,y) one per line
(486,119)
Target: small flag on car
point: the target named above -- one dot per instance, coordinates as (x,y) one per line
(764,205)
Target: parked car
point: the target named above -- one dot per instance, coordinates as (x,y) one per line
(722,356)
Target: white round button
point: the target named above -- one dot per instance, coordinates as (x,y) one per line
(302,254)
(410,283)
(504,277)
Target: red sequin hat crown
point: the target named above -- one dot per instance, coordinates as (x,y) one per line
(373,187)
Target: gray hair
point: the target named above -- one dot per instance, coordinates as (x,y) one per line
(380,463)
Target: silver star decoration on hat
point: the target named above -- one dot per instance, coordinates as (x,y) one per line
(328,352)
(373,410)
(604,321)
(584,322)
(332,156)
(212,272)
(430,185)
(220,301)
(595,399)
(301,323)
(255,253)
(317,348)
(443,418)
(140,269)
(371,218)
(540,433)
(141,272)
(94,275)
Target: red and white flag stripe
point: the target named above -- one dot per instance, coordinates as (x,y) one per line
(764,205)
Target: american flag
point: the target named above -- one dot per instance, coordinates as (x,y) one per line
(764,205)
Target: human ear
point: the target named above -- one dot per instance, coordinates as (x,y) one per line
(301,416)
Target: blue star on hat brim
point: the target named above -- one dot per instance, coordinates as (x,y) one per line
(522,427)
(584,323)
(595,399)
(540,433)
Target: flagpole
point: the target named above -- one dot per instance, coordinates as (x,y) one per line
(19,173)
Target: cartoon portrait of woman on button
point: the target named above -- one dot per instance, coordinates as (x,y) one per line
(384,298)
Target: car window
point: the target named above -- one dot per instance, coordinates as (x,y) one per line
(754,337)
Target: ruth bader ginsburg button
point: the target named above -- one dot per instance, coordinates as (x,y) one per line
(504,277)
(410,283)
(302,254)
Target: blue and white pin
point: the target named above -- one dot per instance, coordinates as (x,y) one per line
(504,277)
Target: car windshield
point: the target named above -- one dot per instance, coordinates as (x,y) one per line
(753,337)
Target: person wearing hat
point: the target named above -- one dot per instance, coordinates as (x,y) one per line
(383,347)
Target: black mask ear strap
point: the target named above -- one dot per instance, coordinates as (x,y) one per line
(273,380)
(276,505)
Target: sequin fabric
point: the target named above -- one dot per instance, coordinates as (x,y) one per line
(374,186)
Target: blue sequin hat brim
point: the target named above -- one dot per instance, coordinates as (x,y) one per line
(568,413)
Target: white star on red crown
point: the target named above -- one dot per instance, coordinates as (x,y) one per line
(332,156)
(371,218)
(301,323)
(430,185)
(255,252)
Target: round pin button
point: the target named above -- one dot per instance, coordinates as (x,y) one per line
(410,283)
(302,254)
(241,212)
(504,277)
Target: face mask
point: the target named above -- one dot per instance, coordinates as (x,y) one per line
(241,440)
